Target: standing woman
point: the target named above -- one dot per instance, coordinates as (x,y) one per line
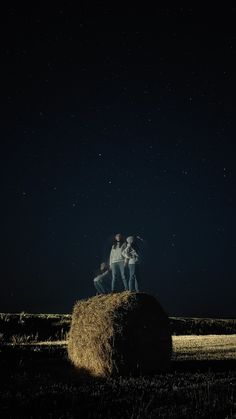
(131,255)
(117,262)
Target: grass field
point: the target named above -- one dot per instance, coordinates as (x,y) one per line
(38,381)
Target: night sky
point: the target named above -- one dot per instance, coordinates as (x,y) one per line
(108,131)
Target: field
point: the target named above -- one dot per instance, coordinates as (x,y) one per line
(38,381)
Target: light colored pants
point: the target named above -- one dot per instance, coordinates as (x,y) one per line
(99,283)
(133,277)
(118,271)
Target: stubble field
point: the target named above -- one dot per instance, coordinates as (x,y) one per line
(38,381)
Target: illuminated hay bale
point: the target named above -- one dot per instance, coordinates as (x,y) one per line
(120,333)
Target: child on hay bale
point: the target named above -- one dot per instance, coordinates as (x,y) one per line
(100,281)
(117,262)
(131,256)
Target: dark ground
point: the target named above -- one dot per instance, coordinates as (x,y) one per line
(39,382)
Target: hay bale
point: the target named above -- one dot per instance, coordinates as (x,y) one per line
(121,333)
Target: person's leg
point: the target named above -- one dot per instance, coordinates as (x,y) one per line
(131,277)
(101,279)
(114,271)
(97,285)
(122,274)
(136,280)
(105,281)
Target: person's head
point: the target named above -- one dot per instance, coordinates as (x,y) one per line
(130,239)
(118,237)
(103,266)
(118,240)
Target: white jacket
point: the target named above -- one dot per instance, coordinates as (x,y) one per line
(116,254)
(130,254)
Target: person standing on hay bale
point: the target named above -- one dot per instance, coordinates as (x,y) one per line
(131,256)
(100,281)
(117,262)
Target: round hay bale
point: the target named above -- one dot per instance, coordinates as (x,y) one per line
(121,333)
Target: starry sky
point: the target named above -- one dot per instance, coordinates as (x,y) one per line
(108,130)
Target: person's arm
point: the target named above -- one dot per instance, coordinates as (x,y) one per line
(134,255)
(110,259)
(124,253)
